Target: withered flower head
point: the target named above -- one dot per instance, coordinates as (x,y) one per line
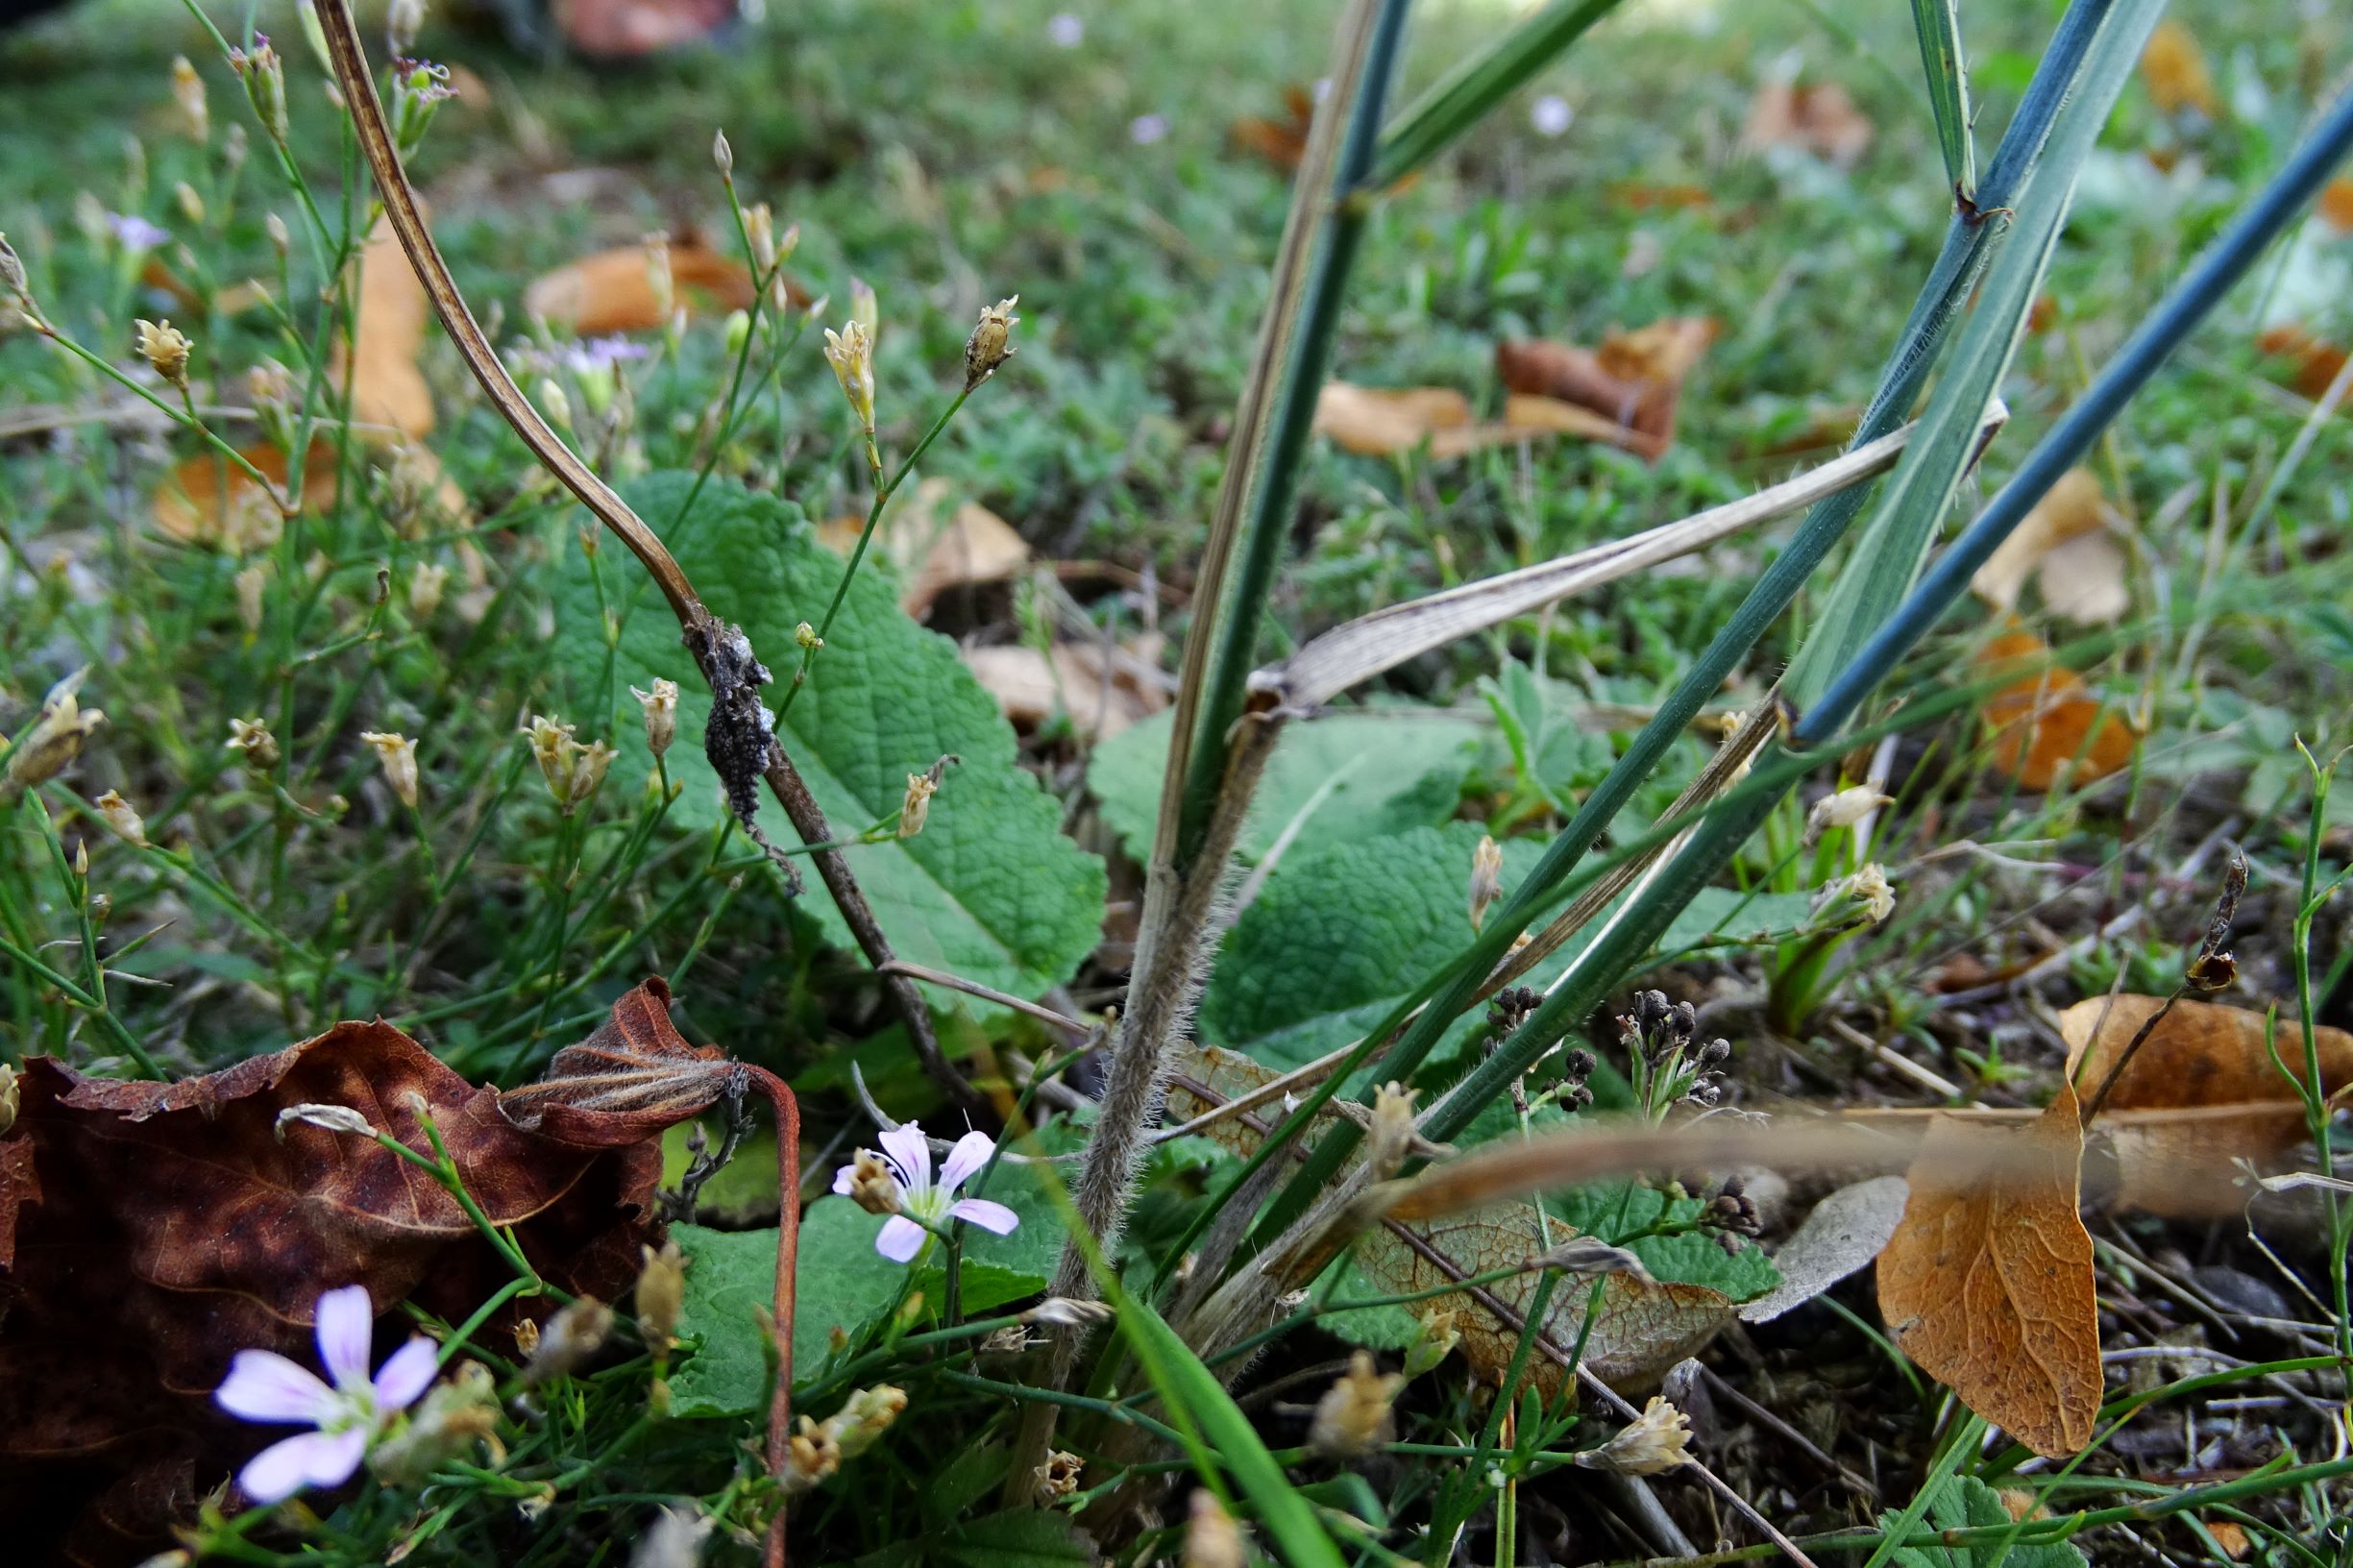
(166,349)
(1059,1478)
(1486,879)
(661,710)
(123,818)
(812,1455)
(864,1418)
(991,344)
(916,808)
(851,352)
(398,754)
(1843,809)
(454,1415)
(871,1186)
(41,750)
(1354,1416)
(1212,1537)
(1656,1442)
(189,92)
(253,737)
(1434,1337)
(570,1337)
(661,1294)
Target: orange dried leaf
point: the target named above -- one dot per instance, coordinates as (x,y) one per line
(1987,1283)
(2173,68)
(2202,1056)
(2063,543)
(1820,117)
(2336,204)
(207,500)
(934,553)
(2317,362)
(2046,726)
(1282,141)
(1098,695)
(1634,379)
(612,291)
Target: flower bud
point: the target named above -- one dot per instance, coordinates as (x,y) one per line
(806,636)
(191,205)
(426,585)
(1433,1338)
(865,309)
(336,1118)
(123,818)
(1656,1442)
(760,227)
(1354,1415)
(810,1456)
(280,239)
(553,403)
(1068,1312)
(851,354)
(864,1418)
(454,1415)
(990,343)
(404,20)
(419,89)
(41,750)
(1058,1479)
(723,155)
(11,269)
(1869,887)
(737,331)
(1486,878)
(588,769)
(188,93)
(916,807)
(552,747)
(1212,1537)
(661,1295)
(871,1186)
(570,1337)
(399,755)
(265,76)
(166,349)
(1392,1133)
(1843,809)
(661,708)
(249,584)
(253,737)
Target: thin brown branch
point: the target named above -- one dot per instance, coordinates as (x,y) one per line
(704,633)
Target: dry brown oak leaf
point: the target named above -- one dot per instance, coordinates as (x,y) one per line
(148,1232)
(1987,1283)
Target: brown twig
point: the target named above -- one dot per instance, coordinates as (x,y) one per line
(788,1260)
(704,633)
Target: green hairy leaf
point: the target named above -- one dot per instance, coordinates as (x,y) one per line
(991,890)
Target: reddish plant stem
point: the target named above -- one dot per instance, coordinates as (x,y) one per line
(787,1254)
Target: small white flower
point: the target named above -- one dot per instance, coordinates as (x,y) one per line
(908,1152)
(1843,809)
(264,1386)
(1146,128)
(1657,1442)
(134,233)
(1065,30)
(1550,114)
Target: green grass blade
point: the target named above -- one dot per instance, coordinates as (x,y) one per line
(1464,94)
(1939,23)
(1969,242)
(1200,1403)
(1885,560)
(1895,543)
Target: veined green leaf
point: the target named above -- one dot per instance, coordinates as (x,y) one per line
(991,890)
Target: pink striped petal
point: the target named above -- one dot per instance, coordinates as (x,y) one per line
(911,1152)
(987,1215)
(965,1160)
(314,1458)
(264,1386)
(901,1239)
(346,1327)
(405,1374)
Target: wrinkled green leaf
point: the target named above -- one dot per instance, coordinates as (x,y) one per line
(991,890)
(1344,776)
(1960,1503)
(1331,945)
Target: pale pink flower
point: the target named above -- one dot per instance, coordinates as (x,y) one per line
(348,1415)
(908,1152)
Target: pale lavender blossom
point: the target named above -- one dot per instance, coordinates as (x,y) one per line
(601,354)
(134,233)
(1146,128)
(924,1203)
(1065,30)
(1550,114)
(264,1386)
